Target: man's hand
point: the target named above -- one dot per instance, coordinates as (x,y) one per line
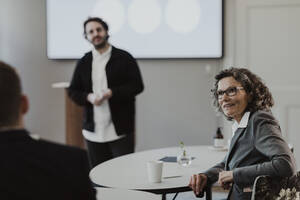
(97,100)
(225,179)
(94,99)
(107,94)
(198,182)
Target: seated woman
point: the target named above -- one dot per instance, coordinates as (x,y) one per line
(257,147)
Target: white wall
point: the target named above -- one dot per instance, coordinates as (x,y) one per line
(175,105)
(23,45)
(263,35)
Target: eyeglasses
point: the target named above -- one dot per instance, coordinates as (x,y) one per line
(232,91)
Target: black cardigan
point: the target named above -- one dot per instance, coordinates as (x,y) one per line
(123,78)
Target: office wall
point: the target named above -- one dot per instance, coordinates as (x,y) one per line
(23,45)
(263,36)
(174,106)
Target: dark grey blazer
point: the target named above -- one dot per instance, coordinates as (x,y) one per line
(258,149)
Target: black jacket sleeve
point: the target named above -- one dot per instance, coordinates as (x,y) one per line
(76,89)
(133,84)
(213,173)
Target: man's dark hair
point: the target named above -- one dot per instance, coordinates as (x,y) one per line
(260,95)
(10,95)
(95,19)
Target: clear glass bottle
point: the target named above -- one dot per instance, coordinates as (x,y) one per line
(183,159)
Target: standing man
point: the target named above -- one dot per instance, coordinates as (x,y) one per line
(30,168)
(106,81)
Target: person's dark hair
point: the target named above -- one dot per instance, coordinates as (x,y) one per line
(260,95)
(10,92)
(94,19)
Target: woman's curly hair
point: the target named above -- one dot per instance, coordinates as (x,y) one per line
(260,95)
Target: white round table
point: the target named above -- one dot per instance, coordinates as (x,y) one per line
(130,171)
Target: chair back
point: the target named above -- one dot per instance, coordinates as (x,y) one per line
(266,187)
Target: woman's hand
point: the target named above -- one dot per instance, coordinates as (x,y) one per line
(225,179)
(198,182)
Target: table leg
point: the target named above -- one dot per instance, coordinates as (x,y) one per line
(175,196)
(163,197)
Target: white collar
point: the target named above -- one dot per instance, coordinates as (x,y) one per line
(243,123)
(97,54)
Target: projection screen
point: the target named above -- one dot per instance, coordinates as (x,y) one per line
(145,28)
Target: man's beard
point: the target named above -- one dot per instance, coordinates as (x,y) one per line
(102,44)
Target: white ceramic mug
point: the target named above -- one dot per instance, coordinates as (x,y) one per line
(154,169)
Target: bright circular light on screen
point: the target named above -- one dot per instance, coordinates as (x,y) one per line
(183,16)
(144,16)
(111,11)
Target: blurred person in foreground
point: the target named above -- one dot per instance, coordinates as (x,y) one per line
(33,168)
(257,146)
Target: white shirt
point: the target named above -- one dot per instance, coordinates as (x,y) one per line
(243,123)
(104,128)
